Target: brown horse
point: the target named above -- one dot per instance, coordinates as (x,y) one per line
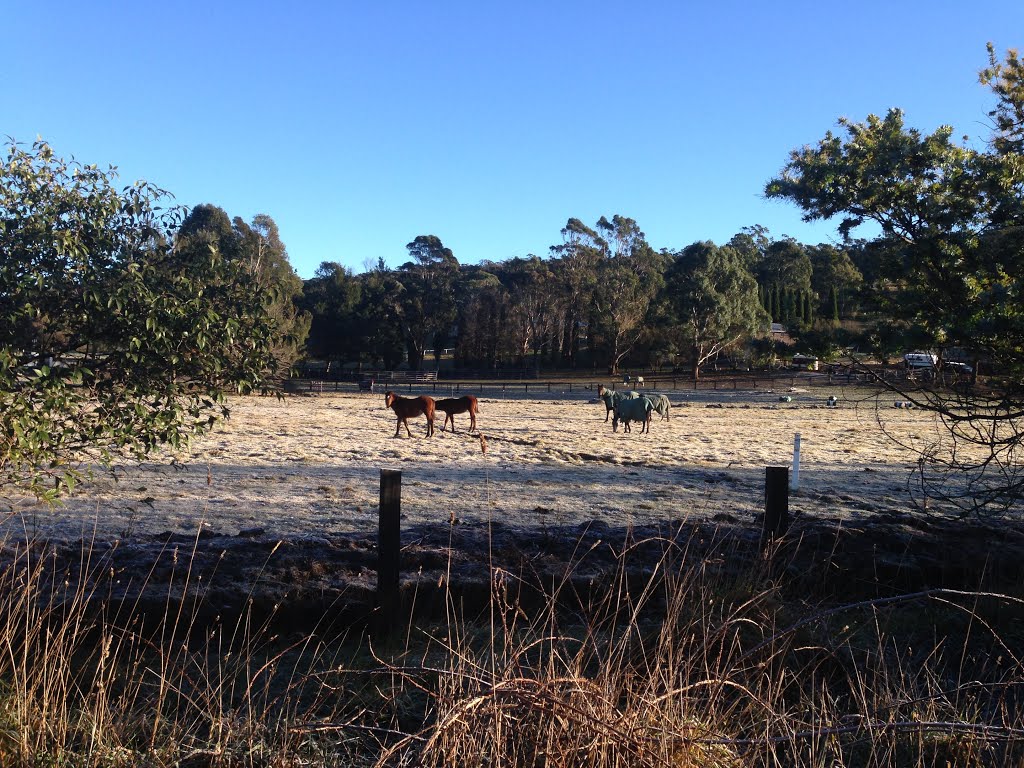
(453,405)
(406,407)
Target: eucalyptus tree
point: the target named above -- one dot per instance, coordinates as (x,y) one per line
(256,247)
(533,307)
(113,339)
(834,278)
(332,297)
(713,301)
(575,263)
(425,302)
(629,276)
(381,336)
(261,244)
(951,230)
(483,306)
(751,243)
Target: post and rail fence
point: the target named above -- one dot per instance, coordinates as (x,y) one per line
(430,382)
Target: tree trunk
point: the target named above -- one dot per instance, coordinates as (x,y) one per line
(415,355)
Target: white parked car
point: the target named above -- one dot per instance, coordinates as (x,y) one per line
(921,360)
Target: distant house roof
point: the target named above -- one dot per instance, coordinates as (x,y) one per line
(777,328)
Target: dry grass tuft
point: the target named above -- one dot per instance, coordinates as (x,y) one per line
(666,659)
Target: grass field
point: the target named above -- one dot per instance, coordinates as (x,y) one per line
(308,465)
(572,597)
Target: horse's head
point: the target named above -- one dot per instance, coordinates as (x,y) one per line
(389,399)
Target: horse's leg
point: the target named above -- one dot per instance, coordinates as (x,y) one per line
(406,422)
(430,426)
(398,425)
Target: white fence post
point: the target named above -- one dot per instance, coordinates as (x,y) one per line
(794,480)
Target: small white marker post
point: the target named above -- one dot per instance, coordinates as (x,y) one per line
(794,480)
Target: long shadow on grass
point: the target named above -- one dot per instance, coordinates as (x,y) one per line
(330,581)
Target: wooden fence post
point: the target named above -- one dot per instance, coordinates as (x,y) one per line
(389,543)
(776,503)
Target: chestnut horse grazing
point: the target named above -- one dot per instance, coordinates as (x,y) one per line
(406,407)
(453,405)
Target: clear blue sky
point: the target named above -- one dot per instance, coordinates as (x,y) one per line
(358,126)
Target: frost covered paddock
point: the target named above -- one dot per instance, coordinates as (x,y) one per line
(309,466)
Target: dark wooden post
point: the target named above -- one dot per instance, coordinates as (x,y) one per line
(776,503)
(389,543)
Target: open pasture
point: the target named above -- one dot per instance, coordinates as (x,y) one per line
(308,466)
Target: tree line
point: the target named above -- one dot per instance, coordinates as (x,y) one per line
(603,297)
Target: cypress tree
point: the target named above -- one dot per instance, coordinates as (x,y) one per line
(835,306)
